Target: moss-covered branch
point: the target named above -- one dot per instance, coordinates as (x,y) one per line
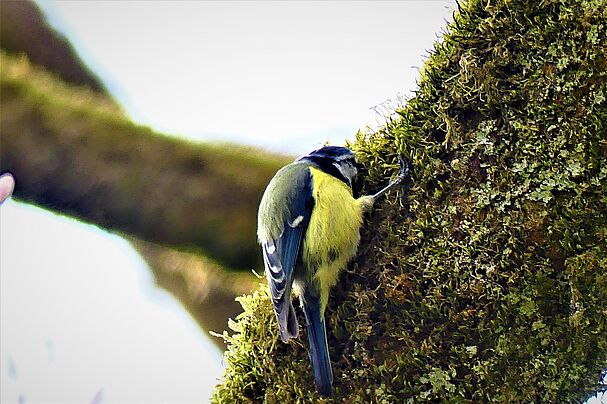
(490,283)
(73,151)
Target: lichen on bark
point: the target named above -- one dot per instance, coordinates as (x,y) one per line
(487,281)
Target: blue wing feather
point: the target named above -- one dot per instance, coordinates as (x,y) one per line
(281,254)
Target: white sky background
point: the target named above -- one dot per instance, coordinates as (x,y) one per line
(286,75)
(80,318)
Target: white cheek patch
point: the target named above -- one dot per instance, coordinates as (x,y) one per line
(296,221)
(346,172)
(341,170)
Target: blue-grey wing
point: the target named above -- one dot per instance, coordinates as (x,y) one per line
(281,254)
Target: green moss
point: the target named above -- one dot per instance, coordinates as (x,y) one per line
(487,282)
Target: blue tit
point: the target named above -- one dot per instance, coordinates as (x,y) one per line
(309,228)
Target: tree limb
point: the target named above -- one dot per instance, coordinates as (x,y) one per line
(72,151)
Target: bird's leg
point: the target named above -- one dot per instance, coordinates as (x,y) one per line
(402,175)
(368,201)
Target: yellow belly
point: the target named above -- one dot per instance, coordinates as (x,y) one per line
(333,233)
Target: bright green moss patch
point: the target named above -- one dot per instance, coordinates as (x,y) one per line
(489,283)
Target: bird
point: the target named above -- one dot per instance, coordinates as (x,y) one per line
(308,226)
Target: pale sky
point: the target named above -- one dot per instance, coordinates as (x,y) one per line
(80,318)
(286,75)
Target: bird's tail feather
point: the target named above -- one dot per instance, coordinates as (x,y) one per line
(287,320)
(319,350)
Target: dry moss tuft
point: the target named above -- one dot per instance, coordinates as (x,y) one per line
(490,282)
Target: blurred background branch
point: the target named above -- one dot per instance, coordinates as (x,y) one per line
(74,151)
(23,30)
(205,288)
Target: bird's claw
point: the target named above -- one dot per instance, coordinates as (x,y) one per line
(402,176)
(405,168)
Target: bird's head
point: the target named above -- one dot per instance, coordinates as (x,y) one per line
(338,161)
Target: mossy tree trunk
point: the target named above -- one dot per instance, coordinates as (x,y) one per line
(489,283)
